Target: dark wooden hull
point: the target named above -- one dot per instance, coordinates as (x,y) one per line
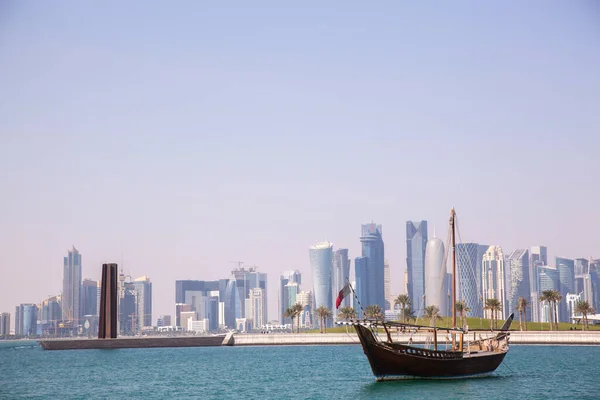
(389,362)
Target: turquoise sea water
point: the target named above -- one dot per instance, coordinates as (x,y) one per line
(281,372)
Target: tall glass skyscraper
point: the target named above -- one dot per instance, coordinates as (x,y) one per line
(71,295)
(89,295)
(321,263)
(26,319)
(143,289)
(519,283)
(372,279)
(566,277)
(547,279)
(416,241)
(285,300)
(467,263)
(339,276)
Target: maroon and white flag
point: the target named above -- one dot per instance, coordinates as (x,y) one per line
(343,293)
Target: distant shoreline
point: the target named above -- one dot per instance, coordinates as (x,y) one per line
(550,338)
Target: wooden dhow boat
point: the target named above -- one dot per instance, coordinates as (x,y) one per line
(465,357)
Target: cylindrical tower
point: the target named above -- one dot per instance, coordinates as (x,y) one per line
(435,276)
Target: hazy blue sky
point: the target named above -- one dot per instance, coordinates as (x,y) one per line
(186,135)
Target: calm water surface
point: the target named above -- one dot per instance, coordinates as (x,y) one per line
(295,372)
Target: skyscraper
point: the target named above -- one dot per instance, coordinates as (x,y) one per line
(339,276)
(258,307)
(493,279)
(467,263)
(285,301)
(547,279)
(143,291)
(49,315)
(519,284)
(321,263)
(372,285)
(386,285)
(416,241)
(89,296)
(4,324)
(26,319)
(71,297)
(566,278)
(537,256)
(436,292)
(360,285)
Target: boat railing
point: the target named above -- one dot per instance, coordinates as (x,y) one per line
(422,352)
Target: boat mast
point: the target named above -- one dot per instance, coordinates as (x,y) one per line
(452,216)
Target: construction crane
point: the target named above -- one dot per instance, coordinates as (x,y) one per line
(239,263)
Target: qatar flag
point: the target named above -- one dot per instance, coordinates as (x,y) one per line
(343,293)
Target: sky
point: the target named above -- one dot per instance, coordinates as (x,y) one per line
(175,138)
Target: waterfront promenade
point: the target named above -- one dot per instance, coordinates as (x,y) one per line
(516,337)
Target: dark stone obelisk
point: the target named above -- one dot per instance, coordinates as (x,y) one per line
(107,328)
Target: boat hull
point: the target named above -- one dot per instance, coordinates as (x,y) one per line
(391,363)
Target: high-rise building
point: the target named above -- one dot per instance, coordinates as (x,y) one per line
(306,300)
(373,278)
(519,283)
(289,298)
(339,276)
(26,320)
(416,241)
(89,296)
(467,263)
(71,294)
(547,279)
(143,292)
(4,324)
(258,307)
(247,279)
(566,277)
(583,281)
(436,291)
(287,277)
(50,315)
(493,279)
(538,256)
(360,284)
(321,263)
(386,285)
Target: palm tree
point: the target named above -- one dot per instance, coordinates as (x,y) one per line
(433,313)
(547,296)
(403,300)
(556,298)
(409,314)
(494,306)
(522,308)
(323,313)
(297,308)
(462,309)
(584,308)
(290,313)
(347,313)
(373,312)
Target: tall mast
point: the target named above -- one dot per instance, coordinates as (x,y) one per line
(452,216)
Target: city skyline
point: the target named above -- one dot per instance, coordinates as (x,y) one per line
(473,251)
(171,154)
